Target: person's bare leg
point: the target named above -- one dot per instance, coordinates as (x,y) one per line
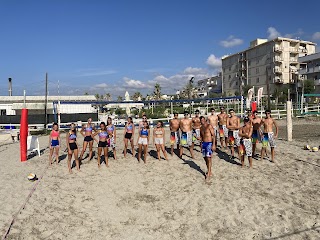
(84,148)
(164,152)
(57,154)
(90,150)
(145,147)
(114,153)
(272,154)
(125,147)
(242,161)
(99,156)
(158,151)
(191,150)
(132,147)
(221,142)
(69,161)
(139,152)
(105,149)
(172,147)
(181,151)
(209,166)
(262,152)
(253,149)
(76,158)
(250,161)
(232,151)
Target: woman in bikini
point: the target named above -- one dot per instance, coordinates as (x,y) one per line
(128,136)
(159,139)
(111,129)
(86,132)
(102,145)
(54,143)
(143,140)
(72,147)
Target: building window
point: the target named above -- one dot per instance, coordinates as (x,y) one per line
(3,112)
(230,85)
(236,83)
(258,80)
(249,63)
(230,68)
(257,70)
(249,72)
(257,61)
(229,76)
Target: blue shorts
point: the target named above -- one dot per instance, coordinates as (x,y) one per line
(54,143)
(206,149)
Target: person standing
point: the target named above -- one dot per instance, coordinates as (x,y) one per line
(196,124)
(186,134)
(223,130)
(54,143)
(174,132)
(128,136)
(144,119)
(268,136)
(72,147)
(245,148)
(256,134)
(143,141)
(102,144)
(87,131)
(233,125)
(112,133)
(213,121)
(207,137)
(159,139)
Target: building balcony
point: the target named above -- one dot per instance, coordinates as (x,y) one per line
(278,80)
(293,50)
(277,49)
(301,77)
(278,70)
(292,81)
(212,83)
(317,82)
(303,71)
(303,50)
(293,60)
(278,59)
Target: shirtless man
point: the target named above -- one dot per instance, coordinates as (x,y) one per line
(245,133)
(268,136)
(256,123)
(186,134)
(213,121)
(196,128)
(223,130)
(249,114)
(207,136)
(233,125)
(174,129)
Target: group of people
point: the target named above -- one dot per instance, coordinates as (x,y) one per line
(184,133)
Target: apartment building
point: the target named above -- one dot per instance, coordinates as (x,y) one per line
(267,64)
(209,85)
(310,69)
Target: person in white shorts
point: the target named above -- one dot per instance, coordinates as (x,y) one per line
(159,139)
(143,141)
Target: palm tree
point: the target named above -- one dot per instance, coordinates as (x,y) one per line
(119,99)
(136,96)
(107,96)
(86,93)
(157,91)
(189,91)
(97,95)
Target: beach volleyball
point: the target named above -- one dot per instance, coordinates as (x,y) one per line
(307,147)
(315,149)
(32,177)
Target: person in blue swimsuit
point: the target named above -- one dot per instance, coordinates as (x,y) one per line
(143,141)
(86,132)
(128,136)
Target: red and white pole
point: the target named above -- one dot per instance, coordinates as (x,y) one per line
(23,132)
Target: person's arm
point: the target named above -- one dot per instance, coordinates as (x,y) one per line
(82,131)
(95,134)
(228,123)
(164,136)
(50,140)
(238,124)
(170,124)
(213,135)
(250,132)
(240,133)
(148,135)
(153,135)
(276,126)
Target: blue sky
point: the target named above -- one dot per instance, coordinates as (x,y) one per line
(113,46)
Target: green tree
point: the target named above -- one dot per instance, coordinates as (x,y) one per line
(107,96)
(119,99)
(245,90)
(189,90)
(136,96)
(97,96)
(86,93)
(308,86)
(157,91)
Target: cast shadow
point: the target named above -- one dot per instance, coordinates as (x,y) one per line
(224,156)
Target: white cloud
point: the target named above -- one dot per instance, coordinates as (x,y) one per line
(214,62)
(95,72)
(134,84)
(273,33)
(231,41)
(316,36)
(193,70)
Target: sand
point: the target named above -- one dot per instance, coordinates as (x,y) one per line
(164,200)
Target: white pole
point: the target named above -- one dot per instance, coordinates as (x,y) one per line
(24,98)
(59,120)
(241,106)
(289,121)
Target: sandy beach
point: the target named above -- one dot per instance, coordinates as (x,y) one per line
(166,200)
